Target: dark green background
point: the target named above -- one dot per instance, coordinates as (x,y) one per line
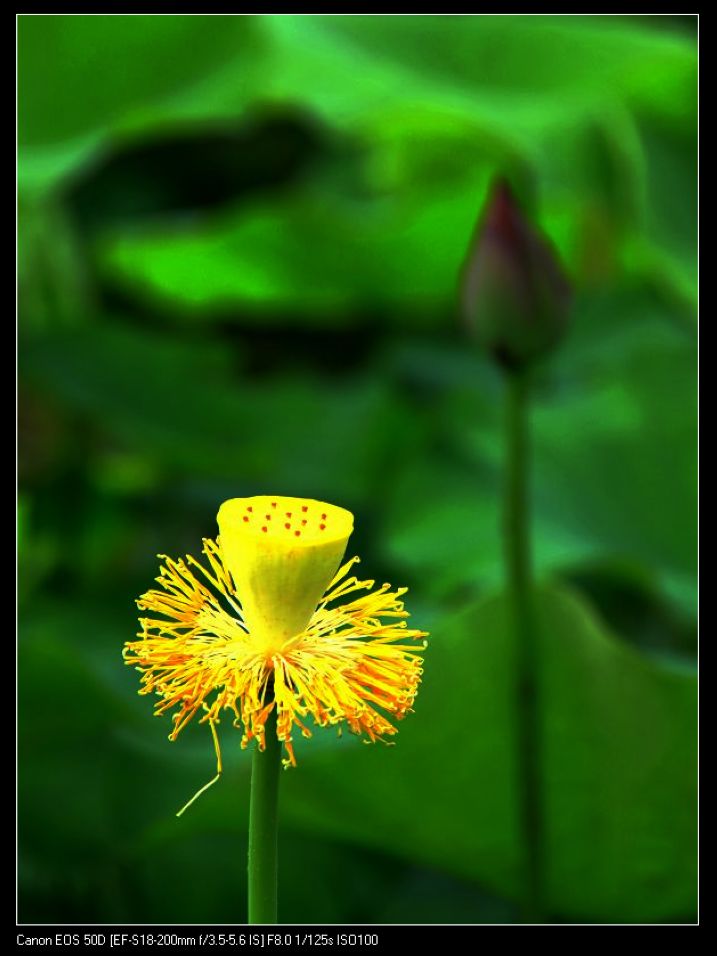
(239,246)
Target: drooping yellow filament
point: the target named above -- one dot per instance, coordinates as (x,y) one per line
(354,661)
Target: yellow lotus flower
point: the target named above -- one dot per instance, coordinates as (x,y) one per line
(272,621)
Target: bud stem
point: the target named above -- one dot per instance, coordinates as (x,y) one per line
(263,827)
(519,575)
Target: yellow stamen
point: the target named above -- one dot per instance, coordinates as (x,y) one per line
(214,779)
(263,627)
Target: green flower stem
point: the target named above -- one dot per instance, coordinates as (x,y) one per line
(519,573)
(263,827)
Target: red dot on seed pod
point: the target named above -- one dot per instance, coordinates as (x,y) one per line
(264,528)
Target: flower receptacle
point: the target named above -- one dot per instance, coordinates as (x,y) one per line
(282,554)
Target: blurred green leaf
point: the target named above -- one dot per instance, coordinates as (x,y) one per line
(316,260)
(619,762)
(75,78)
(322,257)
(432,95)
(619,774)
(85,78)
(632,605)
(626,372)
(438,59)
(178,404)
(110,820)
